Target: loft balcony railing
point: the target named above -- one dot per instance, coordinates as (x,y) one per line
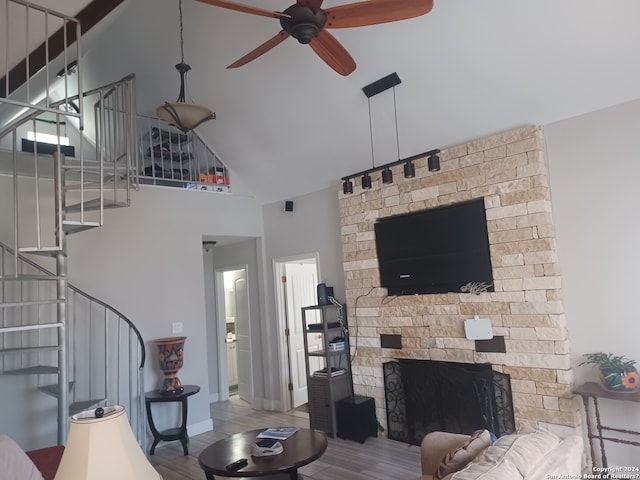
(169,157)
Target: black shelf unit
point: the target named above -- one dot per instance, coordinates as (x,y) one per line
(328,321)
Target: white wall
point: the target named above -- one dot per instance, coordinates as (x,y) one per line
(594,170)
(312,226)
(147,261)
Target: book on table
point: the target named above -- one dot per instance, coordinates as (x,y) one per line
(278,433)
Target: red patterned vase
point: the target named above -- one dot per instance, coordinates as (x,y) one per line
(171,356)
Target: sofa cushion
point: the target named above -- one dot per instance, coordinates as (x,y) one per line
(511,457)
(565,460)
(436,445)
(463,454)
(14,463)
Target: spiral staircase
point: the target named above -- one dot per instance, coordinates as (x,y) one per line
(61,349)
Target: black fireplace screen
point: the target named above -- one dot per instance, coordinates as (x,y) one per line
(423,396)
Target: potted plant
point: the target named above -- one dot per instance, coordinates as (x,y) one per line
(617,373)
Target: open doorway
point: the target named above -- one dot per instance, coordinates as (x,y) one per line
(234,339)
(296,279)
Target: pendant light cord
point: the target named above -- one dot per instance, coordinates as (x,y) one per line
(373,162)
(181,31)
(395,110)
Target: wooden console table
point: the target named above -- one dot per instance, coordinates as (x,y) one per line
(594,391)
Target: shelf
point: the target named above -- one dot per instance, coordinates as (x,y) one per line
(319,327)
(323,324)
(322,353)
(321,307)
(334,373)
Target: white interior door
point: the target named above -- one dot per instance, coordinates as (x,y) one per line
(243,338)
(301,283)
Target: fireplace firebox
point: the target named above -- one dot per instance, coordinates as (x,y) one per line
(423,396)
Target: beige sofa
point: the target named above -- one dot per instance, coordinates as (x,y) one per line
(15,464)
(534,455)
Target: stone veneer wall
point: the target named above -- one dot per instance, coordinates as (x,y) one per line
(509,170)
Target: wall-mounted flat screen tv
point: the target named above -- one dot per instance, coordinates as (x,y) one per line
(434,251)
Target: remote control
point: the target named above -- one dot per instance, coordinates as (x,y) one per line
(237,465)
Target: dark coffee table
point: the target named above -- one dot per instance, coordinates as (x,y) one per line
(301,448)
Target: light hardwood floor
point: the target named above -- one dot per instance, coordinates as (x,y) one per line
(376,459)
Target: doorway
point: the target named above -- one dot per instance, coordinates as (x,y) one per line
(234,339)
(296,279)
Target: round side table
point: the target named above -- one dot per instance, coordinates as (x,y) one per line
(178,433)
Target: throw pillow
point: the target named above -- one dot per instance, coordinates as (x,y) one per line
(14,462)
(512,457)
(463,454)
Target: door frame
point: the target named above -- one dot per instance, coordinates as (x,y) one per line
(279,301)
(223,367)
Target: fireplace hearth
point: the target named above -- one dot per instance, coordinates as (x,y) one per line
(423,396)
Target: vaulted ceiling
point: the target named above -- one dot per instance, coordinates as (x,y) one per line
(287,124)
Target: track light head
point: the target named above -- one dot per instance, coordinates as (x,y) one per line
(387,176)
(409,169)
(434,162)
(366,181)
(347,187)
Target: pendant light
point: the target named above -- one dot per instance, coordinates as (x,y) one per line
(185,116)
(408,165)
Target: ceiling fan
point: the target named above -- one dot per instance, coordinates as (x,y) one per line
(307,22)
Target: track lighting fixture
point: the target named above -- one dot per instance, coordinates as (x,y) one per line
(409,168)
(433,162)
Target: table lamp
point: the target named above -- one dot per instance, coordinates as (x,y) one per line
(102,446)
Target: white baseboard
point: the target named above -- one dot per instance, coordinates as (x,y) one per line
(200,427)
(271,405)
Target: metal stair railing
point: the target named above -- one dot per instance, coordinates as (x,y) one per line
(106,353)
(99,175)
(29,34)
(64,195)
(48,329)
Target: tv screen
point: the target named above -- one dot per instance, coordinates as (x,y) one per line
(434,251)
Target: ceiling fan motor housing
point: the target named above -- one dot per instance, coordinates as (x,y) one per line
(304,25)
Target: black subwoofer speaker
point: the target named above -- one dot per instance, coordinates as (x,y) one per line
(356,418)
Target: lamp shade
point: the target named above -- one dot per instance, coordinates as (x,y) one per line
(103,449)
(185,116)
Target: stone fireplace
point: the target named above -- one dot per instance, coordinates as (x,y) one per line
(509,171)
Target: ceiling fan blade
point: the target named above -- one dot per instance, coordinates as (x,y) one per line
(372,12)
(245,8)
(333,53)
(314,5)
(264,48)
